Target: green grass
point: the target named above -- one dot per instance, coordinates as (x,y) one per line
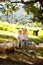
(9,31)
(4,39)
(37,41)
(10,36)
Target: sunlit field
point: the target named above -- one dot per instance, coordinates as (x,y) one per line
(10,31)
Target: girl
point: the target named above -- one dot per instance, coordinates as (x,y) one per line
(25,37)
(19,38)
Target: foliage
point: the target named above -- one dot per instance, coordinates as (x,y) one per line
(30,32)
(10,29)
(8,9)
(37,12)
(40,34)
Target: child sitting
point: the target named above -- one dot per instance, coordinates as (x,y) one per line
(25,37)
(19,38)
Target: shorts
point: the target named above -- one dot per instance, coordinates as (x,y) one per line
(25,42)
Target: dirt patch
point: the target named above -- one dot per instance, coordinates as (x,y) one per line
(11,62)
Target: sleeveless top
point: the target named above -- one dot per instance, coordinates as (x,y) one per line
(24,37)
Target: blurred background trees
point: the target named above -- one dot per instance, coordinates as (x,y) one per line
(37,10)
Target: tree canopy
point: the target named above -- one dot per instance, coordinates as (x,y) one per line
(37,11)
(25,2)
(28,7)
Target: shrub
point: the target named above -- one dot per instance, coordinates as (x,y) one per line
(40,34)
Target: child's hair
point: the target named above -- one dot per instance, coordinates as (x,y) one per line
(20,31)
(24,30)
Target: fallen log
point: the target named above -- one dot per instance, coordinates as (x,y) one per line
(36,47)
(13,46)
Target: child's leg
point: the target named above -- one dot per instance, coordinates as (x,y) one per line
(26,45)
(27,42)
(18,45)
(21,44)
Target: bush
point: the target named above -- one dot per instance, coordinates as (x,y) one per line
(30,32)
(7,27)
(40,34)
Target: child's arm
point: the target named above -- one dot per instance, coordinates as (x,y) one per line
(27,36)
(19,38)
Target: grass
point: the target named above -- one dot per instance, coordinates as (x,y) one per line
(5,39)
(10,36)
(37,41)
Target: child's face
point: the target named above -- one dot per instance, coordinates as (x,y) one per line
(20,32)
(24,30)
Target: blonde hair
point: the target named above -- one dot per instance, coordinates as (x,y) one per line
(24,30)
(19,31)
